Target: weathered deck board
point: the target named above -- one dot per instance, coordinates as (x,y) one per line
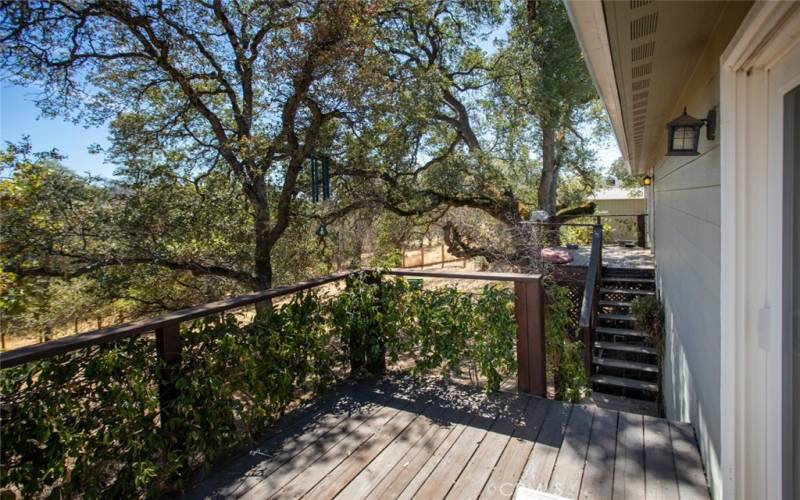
(629,460)
(504,478)
(691,481)
(402,439)
(600,456)
(352,466)
(572,455)
(390,457)
(314,459)
(477,471)
(660,479)
(545,450)
(444,475)
(415,466)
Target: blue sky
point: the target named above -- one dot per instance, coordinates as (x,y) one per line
(20,116)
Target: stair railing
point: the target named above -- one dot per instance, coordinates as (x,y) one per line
(591,292)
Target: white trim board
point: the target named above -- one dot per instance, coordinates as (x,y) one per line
(761,63)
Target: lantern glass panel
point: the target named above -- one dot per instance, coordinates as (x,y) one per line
(683,139)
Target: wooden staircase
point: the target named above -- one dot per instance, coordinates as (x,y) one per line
(624,361)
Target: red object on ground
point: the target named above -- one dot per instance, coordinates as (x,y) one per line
(556,256)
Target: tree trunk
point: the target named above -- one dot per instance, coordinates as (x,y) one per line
(548,183)
(263,250)
(262,256)
(549,180)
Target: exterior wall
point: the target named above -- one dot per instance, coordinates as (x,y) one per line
(686,242)
(687,248)
(620,207)
(621,228)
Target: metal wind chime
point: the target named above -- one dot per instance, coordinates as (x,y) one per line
(326,188)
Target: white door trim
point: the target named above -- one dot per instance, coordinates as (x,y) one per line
(751,248)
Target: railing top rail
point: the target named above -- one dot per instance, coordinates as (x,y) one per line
(485,276)
(64,345)
(71,343)
(592,275)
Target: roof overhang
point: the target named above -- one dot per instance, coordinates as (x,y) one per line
(641,54)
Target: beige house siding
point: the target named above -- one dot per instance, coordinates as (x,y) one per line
(620,207)
(686,242)
(621,228)
(687,239)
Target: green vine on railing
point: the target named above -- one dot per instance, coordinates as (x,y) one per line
(564,352)
(88,423)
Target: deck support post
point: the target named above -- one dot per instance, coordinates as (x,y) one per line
(168,349)
(640,232)
(529,313)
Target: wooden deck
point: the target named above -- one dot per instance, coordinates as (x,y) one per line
(395,438)
(615,256)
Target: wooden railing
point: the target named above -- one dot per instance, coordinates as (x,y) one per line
(591,294)
(641,230)
(529,313)
(528,310)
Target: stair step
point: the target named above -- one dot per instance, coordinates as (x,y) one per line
(621,403)
(613,303)
(623,279)
(615,317)
(618,346)
(627,383)
(607,330)
(625,365)
(625,272)
(624,290)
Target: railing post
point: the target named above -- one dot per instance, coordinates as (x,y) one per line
(587,349)
(529,312)
(640,229)
(168,349)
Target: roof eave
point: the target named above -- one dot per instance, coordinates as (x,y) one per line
(589,22)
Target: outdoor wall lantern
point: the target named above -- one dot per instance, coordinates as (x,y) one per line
(647,181)
(683,133)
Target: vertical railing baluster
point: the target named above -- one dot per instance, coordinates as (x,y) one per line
(640,230)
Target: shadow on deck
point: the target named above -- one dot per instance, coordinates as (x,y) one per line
(396,438)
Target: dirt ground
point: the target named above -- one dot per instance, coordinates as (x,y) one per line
(432,254)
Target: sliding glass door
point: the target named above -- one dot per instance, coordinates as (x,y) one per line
(791,303)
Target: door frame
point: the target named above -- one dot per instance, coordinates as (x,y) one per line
(756,70)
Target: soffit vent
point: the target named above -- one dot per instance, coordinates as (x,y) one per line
(643,51)
(638,3)
(645,25)
(641,95)
(641,70)
(641,84)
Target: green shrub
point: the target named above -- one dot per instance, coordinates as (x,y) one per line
(392,259)
(648,315)
(481,263)
(83,423)
(87,423)
(564,350)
